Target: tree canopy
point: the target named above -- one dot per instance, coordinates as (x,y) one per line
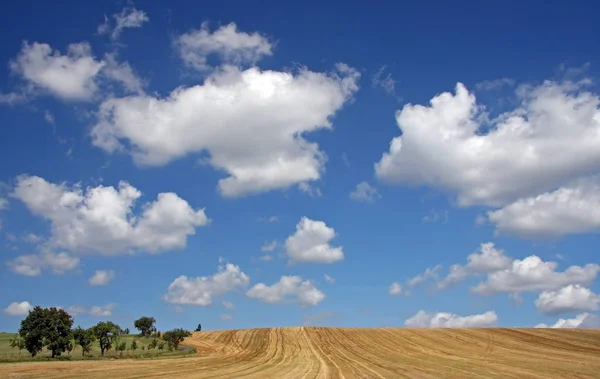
(106,332)
(46,327)
(175,337)
(145,325)
(84,338)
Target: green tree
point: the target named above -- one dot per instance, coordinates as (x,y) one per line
(121,347)
(175,337)
(134,346)
(84,338)
(106,332)
(49,327)
(145,325)
(126,331)
(161,346)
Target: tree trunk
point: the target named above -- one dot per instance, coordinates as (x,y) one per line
(101,352)
(53,354)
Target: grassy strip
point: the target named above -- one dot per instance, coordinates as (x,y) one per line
(8,354)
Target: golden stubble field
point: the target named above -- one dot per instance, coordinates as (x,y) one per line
(313,352)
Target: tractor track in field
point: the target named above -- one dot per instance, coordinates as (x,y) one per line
(353,353)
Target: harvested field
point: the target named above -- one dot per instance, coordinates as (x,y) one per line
(308,352)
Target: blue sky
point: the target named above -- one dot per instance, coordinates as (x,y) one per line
(234,165)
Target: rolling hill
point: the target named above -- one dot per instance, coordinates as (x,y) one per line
(315,352)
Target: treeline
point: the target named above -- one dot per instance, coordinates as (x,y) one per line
(52,328)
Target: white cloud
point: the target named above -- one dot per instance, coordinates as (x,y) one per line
(309,190)
(430,273)
(96,310)
(101,277)
(387,83)
(533,274)
(227,43)
(75,76)
(201,290)
(121,72)
(34,264)
(129,17)
(583,320)
(364,192)
(329,279)
(550,140)
(490,85)
(105,311)
(449,320)
(570,298)
(270,219)
(268,247)
(568,210)
(345,160)
(70,77)
(76,310)
(395,289)
(435,216)
(267,112)
(12,98)
(3,206)
(33,238)
(18,309)
(49,117)
(226,317)
(488,259)
(100,219)
(228,305)
(310,243)
(304,292)
(266,258)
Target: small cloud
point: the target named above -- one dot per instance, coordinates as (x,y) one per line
(345,159)
(101,278)
(128,18)
(309,190)
(33,238)
(226,317)
(492,85)
(387,83)
(435,216)
(329,279)
(105,311)
(268,247)
(395,289)
(364,192)
(270,219)
(430,273)
(3,204)
(178,309)
(228,305)
(266,258)
(18,309)
(49,117)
